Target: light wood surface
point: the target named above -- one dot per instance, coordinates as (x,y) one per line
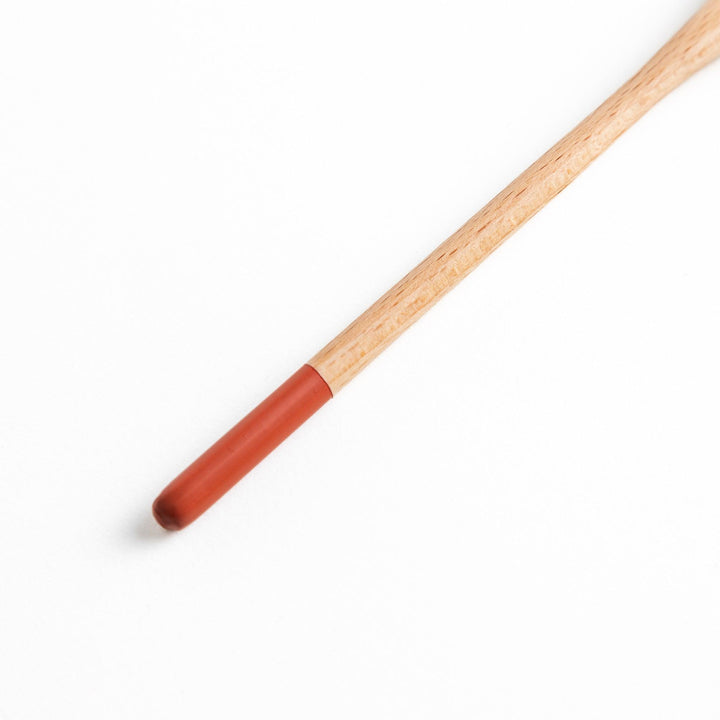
(693,47)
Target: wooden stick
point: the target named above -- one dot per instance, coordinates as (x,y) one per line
(192,492)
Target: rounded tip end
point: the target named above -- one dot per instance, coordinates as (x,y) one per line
(166,515)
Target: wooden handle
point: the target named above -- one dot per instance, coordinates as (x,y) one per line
(213,474)
(693,47)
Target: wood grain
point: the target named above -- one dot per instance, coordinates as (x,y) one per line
(693,47)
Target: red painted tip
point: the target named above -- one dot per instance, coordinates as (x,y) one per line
(240,450)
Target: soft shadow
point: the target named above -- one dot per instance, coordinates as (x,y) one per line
(147,530)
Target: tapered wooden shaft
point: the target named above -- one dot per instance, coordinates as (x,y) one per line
(215,472)
(693,47)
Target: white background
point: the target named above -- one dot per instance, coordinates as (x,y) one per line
(512,514)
